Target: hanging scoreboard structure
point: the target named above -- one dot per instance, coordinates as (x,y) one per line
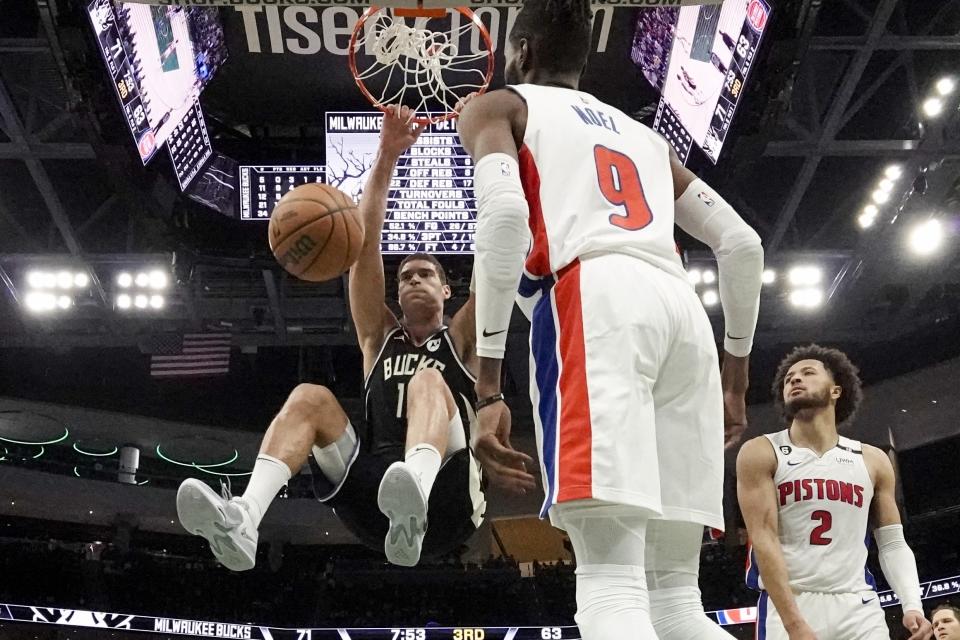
(262,186)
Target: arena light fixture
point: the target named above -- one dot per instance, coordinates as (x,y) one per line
(880,196)
(946,85)
(96,454)
(932,107)
(123,301)
(157,279)
(157,301)
(806,298)
(64,302)
(124,280)
(163,456)
(709,276)
(64,280)
(893,172)
(866,220)
(694,276)
(926,237)
(66,434)
(40,302)
(710,298)
(769,276)
(81,280)
(885,185)
(805,276)
(141,301)
(142,280)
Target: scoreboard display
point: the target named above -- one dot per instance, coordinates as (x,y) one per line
(189,146)
(262,186)
(431,205)
(710,57)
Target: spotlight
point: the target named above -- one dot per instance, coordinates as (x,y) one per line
(870,210)
(866,220)
(140,302)
(694,276)
(65,280)
(81,280)
(885,185)
(893,172)
(64,302)
(142,279)
(769,276)
(945,86)
(156,301)
(124,280)
(123,301)
(709,277)
(158,279)
(926,237)
(40,302)
(37,279)
(710,298)
(932,107)
(806,298)
(880,196)
(805,276)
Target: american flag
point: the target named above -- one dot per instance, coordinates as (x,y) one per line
(196,355)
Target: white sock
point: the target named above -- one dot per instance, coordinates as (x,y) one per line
(268,477)
(425,461)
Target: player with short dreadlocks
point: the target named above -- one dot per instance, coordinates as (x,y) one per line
(807,495)
(629,397)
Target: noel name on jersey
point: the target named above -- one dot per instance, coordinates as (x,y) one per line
(408,364)
(820,489)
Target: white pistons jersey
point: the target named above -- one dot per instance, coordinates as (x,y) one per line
(596,181)
(824,507)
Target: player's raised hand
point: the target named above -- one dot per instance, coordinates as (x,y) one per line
(505,466)
(918,626)
(398,131)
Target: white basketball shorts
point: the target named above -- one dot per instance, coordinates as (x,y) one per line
(625,386)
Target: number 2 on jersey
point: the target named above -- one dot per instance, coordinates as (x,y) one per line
(620,185)
(826,522)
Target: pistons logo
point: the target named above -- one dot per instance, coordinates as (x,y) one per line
(757,15)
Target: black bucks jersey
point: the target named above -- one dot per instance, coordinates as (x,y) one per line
(385,389)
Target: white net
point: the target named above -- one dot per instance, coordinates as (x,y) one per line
(428,64)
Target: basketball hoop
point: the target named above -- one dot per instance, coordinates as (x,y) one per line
(432,57)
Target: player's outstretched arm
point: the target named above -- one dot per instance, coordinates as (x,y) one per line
(490,127)
(371,316)
(701,212)
(757,495)
(896,559)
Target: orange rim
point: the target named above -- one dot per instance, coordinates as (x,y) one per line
(427,13)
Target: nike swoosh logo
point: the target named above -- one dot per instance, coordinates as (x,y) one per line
(487,334)
(793,463)
(735,338)
(866,600)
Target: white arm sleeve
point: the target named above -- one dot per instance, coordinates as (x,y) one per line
(502,239)
(702,213)
(899,566)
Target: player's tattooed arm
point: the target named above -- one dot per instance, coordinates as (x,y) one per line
(371,316)
(757,494)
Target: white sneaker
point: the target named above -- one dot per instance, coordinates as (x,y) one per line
(223,521)
(401,499)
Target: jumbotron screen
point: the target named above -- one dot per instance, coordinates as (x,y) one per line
(159,58)
(699,58)
(431,205)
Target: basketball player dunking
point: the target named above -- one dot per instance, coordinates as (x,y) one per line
(627,391)
(807,494)
(411,449)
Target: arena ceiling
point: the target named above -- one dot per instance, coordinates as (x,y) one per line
(835,97)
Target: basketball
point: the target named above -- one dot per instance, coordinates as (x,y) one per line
(315,232)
